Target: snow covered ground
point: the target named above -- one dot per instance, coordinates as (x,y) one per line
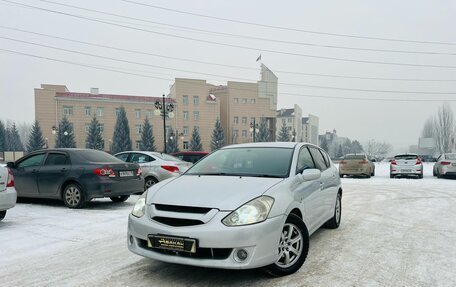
(394,232)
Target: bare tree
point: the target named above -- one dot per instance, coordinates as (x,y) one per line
(428,128)
(444,129)
(378,149)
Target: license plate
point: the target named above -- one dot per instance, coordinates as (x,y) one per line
(126,173)
(406,170)
(172,243)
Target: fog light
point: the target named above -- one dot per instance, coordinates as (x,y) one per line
(241,254)
(130,240)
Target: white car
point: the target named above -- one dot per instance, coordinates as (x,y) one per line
(8,194)
(406,165)
(445,165)
(241,207)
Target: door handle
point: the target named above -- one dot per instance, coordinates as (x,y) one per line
(321,183)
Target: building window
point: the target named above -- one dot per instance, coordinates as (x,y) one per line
(137,144)
(196,116)
(236,100)
(290,120)
(138,129)
(87,111)
(236,133)
(185,145)
(185,115)
(244,133)
(67,110)
(252,101)
(235,120)
(150,114)
(185,99)
(101,128)
(244,120)
(252,120)
(117,112)
(185,131)
(244,101)
(100,112)
(196,100)
(138,113)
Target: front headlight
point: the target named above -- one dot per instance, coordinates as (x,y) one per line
(140,206)
(253,211)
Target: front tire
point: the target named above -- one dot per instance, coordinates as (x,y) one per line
(2,214)
(293,248)
(73,196)
(120,198)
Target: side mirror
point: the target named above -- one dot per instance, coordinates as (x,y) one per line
(10,164)
(311,174)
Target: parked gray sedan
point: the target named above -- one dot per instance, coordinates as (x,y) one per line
(155,166)
(243,206)
(445,165)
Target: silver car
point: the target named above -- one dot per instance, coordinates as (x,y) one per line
(155,166)
(241,207)
(8,194)
(445,165)
(406,165)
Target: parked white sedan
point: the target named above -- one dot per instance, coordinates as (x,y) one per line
(445,165)
(406,165)
(8,194)
(243,206)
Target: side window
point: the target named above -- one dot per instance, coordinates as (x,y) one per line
(57,159)
(304,160)
(34,160)
(139,158)
(318,158)
(326,158)
(123,156)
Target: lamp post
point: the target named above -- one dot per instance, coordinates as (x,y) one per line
(165,111)
(253,129)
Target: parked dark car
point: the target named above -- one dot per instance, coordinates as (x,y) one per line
(190,156)
(75,176)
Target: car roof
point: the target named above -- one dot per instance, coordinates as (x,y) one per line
(264,144)
(140,151)
(189,152)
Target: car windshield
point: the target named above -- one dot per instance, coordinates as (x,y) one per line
(406,156)
(355,156)
(450,156)
(167,157)
(97,156)
(260,162)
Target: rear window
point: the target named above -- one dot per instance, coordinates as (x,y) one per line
(406,156)
(451,156)
(97,156)
(355,156)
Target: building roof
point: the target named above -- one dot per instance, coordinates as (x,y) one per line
(109,97)
(283,113)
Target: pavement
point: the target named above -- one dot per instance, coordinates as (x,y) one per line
(394,232)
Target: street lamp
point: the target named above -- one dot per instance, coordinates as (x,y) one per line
(165,111)
(253,129)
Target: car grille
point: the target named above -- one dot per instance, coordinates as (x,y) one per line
(177,221)
(185,209)
(201,253)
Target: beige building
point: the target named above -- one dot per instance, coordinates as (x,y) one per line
(52,102)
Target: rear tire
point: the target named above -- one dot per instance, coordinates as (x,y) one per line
(292,248)
(373,172)
(2,214)
(73,196)
(391,175)
(149,182)
(120,198)
(334,222)
(420,176)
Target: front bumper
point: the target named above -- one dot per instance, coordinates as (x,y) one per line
(108,187)
(8,198)
(259,240)
(406,170)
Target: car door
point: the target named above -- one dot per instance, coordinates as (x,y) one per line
(53,174)
(25,173)
(308,192)
(327,193)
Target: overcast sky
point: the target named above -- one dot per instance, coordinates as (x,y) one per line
(396,122)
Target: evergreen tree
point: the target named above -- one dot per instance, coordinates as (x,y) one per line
(356,147)
(171,144)
(218,137)
(324,144)
(195,142)
(340,152)
(36,140)
(147,137)
(2,137)
(13,139)
(263,133)
(284,135)
(65,134)
(121,139)
(94,138)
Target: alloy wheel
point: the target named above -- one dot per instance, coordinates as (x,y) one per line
(72,196)
(290,246)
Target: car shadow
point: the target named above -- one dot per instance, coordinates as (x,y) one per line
(95,204)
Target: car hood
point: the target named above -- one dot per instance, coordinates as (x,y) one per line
(221,192)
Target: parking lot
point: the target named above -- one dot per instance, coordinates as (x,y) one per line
(394,232)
